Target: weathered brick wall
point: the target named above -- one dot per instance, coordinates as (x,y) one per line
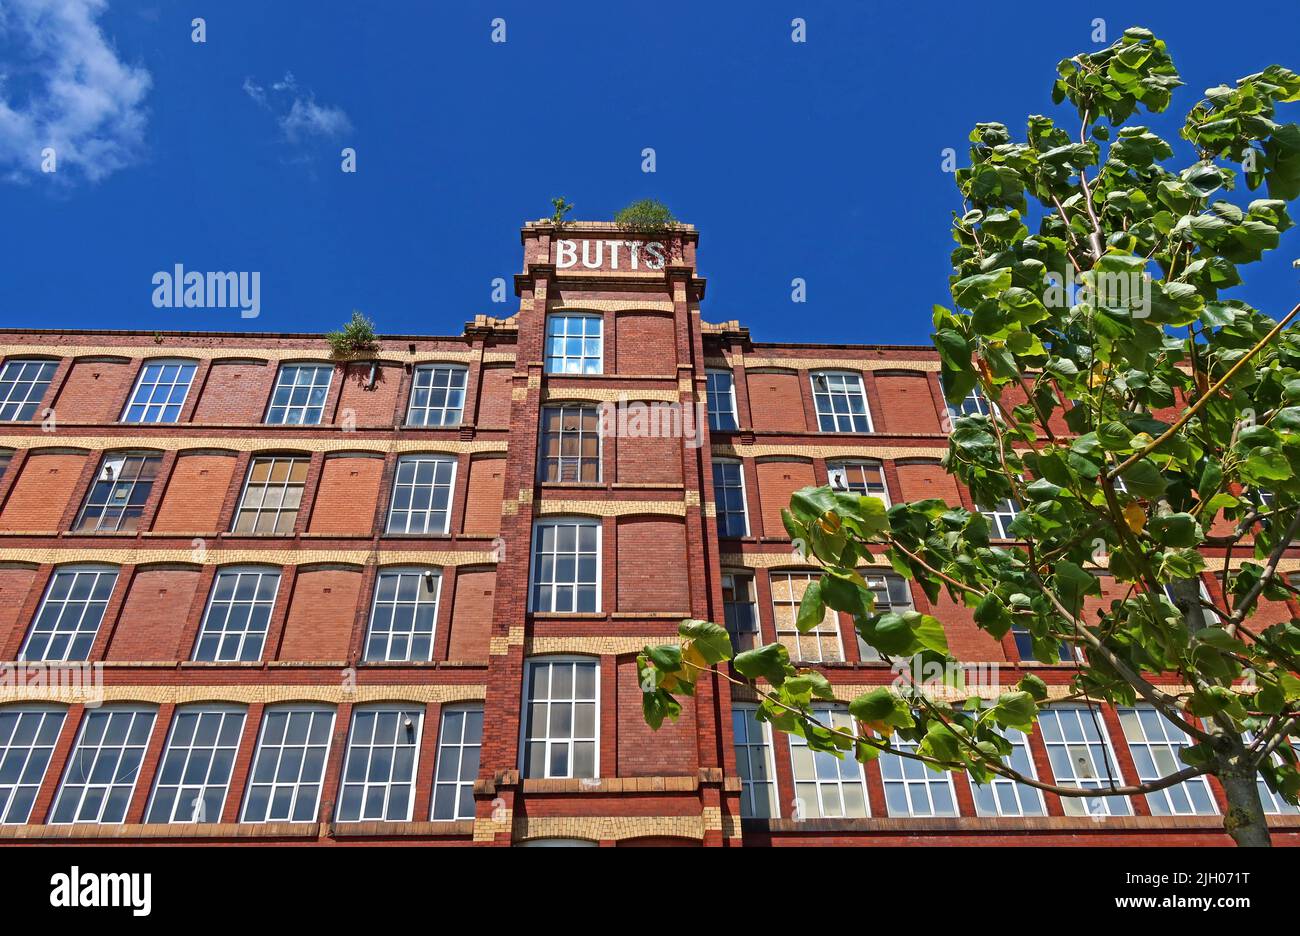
(95,391)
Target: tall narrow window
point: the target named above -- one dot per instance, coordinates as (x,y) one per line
(561,726)
(720,395)
(859,477)
(159,392)
(574,344)
(272,495)
(566,566)
(194,775)
(238,614)
(892,595)
(754,763)
(422,494)
(912,788)
(1081,756)
(68,620)
(437,395)
(116,500)
(819,645)
(22,387)
(841,402)
(1003,797)
(460,740)
(570,443)
(27,737)
(289,766)
(826,786)
(379,773)
(104,765)
(974,404)
(299,395)
(1000,517)
(1154,742)
(404,615)
(729,495)
(740,610)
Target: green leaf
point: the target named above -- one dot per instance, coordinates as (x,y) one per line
(770,662)
(1143,479)
(711,640)
(811,608)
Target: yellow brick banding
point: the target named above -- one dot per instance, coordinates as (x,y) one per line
(603,395)
(869,364)
(214,554)
(169,442)
(320,352)
(607,828)
(613,305)
(596,646)
(852,450)
(247,695)
(612,508)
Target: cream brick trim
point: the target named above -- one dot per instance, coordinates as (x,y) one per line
(871,364)
(856,450)
(596,646)
(266,694)
(612,508)
(766,560)
(609,828)
(600,395)
(692,498)
(201,353)
(343,442)
(500,646)
(486,828)
(613,305)
(215,554)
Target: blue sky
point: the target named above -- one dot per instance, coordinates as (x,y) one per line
(818,160)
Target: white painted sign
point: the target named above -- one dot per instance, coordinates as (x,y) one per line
(593,254)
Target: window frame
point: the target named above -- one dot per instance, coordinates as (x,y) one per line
(123,456)
(748,748)
(735,633)
(1111,805)
(460,746)
(422,572)
(867,653)
(711,394)
(299,366)
(139,384)
(76,570)
(432,367)
(1020,741)
(1000,518)
(820,631)
(579,522)
(220,635)
(530,667)
(827,714)
(548,336)
(719,512)
(841,465)
(415,458)
(403,710)
(274,457)
(259,749)
(823,373)
(927,782)
(543,434)
(135,710)
(1145,746)
(10,792)
(225,710)
(27,399)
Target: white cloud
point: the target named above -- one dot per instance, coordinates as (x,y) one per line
(79,97)
(296,110)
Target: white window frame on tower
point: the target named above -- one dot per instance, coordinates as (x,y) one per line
(722,484)
(827,772)
(460,748)
(1154,743)
(273,740)
(786,633)
(531,736)
(748,637)
(563,463)
(756,763)
(586,362)
(824,405)
(20,379)
(579,582)
(714,398)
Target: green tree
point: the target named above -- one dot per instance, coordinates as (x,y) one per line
(1125,419)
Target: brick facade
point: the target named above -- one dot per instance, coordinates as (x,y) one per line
(660,558)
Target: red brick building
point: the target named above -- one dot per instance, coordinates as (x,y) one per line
(399,600)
